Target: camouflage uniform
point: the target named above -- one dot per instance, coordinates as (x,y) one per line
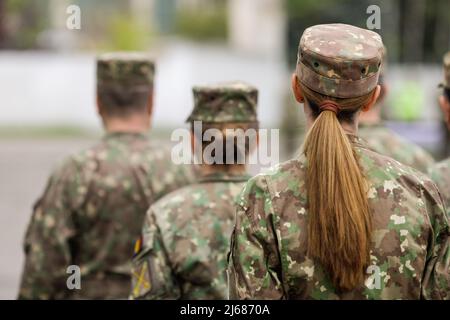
(93,208)
(185,240)
(410,229)
(385,141)
(440,172)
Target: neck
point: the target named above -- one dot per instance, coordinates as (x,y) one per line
(132,124)
(370,117)
(350,128)
(234,169)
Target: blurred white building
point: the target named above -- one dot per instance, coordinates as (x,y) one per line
(257,26)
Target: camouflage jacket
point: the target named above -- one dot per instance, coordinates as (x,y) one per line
(410,245)
(185,240)
(385,141)
(440,173)
(91,212)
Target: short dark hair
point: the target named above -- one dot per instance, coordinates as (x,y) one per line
(123,100)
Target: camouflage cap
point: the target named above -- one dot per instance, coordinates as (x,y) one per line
(125,68)
(228,102)
(339,60)
(446,62)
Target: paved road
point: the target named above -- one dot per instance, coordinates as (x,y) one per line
(24,167)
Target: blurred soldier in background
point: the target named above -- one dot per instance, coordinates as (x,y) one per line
(440,172)
(182,253)
(385,141)
(93,207)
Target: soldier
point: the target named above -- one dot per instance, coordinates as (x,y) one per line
(314,226)
(440,172)
(92,208)
(385,141)
(185,240)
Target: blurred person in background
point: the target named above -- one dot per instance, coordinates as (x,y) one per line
(312,227)
(94,204)
(182,253)
(440,172)
(385,141)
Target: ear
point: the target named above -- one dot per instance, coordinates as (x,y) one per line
(383,92)
(445,107)
(373,99)
(298,94)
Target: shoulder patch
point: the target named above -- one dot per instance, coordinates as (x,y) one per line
(140,275)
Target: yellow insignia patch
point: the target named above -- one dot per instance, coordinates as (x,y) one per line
(141,280)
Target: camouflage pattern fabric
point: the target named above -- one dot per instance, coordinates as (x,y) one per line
(385,141)
(221,103)
(440,173)
(339,60)
(130,69)
(183,250)
(90,215)
(410,236)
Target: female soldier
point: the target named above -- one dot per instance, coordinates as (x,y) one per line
(183,250)
(340,222)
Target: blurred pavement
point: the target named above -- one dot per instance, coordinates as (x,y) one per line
(24,168)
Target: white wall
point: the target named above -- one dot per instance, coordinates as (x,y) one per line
(257,26)
(53,88)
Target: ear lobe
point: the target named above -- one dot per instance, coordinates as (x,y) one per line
(366,107)
(298,94)
(373,99)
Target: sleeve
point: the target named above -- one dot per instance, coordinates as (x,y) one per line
(47,241)
(254,268)
(436,279)
(152,276)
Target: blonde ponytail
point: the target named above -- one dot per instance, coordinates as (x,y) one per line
(339,226)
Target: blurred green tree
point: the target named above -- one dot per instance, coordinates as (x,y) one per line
(406,103)
(414,31)
(23,21)
(125,34)
(203,24)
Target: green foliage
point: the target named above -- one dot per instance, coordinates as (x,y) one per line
(31,18)
(407,102)
(302,8)
(124,33)
(15,6)
(202,25)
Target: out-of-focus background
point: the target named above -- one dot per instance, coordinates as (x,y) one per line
(47,76)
